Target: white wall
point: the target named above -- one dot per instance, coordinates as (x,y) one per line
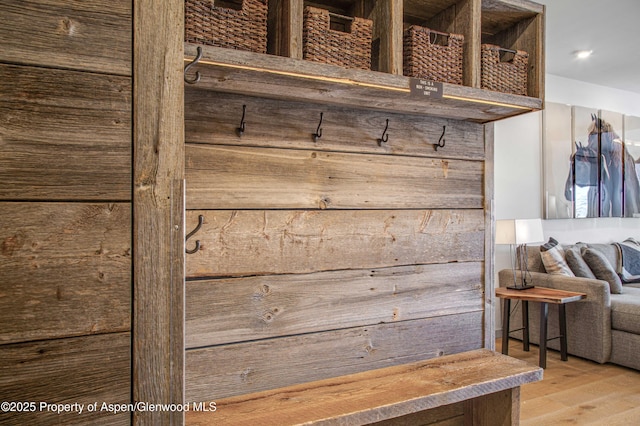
(518,168)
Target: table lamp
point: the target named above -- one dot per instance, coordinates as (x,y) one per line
(518,233)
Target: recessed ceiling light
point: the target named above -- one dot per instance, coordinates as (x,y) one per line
(582,54)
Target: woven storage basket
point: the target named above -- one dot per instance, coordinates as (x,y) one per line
(423,57)
(322,44)
(207,23)
(507,77)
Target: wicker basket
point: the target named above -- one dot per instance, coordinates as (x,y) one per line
(321,43)
(504,76)
(425,57)
(206,22)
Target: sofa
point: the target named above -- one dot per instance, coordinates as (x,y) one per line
(604,327)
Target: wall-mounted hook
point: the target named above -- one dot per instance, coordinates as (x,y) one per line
(190,64)
(318,134)
(441,141)
(190,234)
(385,135)
(240,130)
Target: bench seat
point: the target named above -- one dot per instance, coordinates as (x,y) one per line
(487,381)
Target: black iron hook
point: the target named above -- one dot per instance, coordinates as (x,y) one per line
(318,134)
(192,63)
(385,135)
(441,141)
(240,130)
(190,234)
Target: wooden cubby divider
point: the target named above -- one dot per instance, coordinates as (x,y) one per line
(512,24)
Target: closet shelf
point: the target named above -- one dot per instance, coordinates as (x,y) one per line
(276,77)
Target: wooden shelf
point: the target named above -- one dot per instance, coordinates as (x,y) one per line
(269,76)
(518,24)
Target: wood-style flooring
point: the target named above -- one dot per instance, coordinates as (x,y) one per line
(577,392)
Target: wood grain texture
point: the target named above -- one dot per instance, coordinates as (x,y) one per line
(499,15)
(257,178)
(446,415)
(241,368)
(494,409)
(212,118)
(285,28)
(541,294)
(80,370)
(233,310)
(387,26)
(65,268)
(489,240)
(580,390)
(528,35)
(90,35)
(177,293)
(423,10)
(518,24)
(158,152)
(233,71)
(376,395)
(241,243)
(468,22)
(65,135)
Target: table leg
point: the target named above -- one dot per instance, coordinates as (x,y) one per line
(562,315)
(525,325)
(544,313)
(506,308)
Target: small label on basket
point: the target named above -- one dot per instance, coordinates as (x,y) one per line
(421,87)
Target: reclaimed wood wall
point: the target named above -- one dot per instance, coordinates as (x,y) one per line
(328,257)
(65,204)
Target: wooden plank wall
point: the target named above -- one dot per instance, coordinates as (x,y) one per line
(328,257)
(65,203)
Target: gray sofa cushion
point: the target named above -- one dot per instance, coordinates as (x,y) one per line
(534,261)
(577,263)
(602,269)
(625,348)
(625,311)
(610,251)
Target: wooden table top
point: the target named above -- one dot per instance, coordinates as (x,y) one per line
(540,294)
(374,395)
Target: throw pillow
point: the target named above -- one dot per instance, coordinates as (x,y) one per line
(577,264)
(602,269)
(553,259)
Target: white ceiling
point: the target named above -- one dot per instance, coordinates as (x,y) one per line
(611,28)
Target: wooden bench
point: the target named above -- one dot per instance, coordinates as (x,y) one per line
(485,382)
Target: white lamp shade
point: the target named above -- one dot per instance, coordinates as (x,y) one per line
(519,231)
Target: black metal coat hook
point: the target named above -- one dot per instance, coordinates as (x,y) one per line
(240,130)
(385,135)
(318,134)
(190,234)
(190,64)
(441,141)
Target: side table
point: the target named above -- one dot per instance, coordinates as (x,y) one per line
(544,296)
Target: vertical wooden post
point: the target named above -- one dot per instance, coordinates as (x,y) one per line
(469,23)
(388,20)
(530,38)
(158,234)
(489,240)
(495,409)
(285,27)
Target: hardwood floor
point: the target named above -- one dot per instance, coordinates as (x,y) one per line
(577,392)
